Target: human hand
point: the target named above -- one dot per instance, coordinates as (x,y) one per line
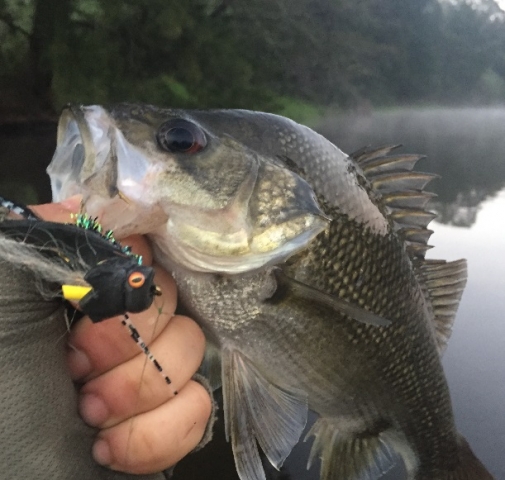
(144,428)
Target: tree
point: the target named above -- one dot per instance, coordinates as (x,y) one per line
(254,54)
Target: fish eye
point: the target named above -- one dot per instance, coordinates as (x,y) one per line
(181,136)
(136,279)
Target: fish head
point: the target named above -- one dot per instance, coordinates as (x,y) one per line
(211,202)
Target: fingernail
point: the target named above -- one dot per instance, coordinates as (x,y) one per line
(101,452)
(78,363)
(93,410)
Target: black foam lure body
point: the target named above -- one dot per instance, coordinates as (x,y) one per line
(119,282)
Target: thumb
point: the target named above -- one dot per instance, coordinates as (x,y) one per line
(59,212)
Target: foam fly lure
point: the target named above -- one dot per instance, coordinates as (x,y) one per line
(108,279)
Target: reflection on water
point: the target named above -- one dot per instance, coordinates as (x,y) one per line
(467,148)
(475,359)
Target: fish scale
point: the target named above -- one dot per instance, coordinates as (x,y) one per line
(305,266)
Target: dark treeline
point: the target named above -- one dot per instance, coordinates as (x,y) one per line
(264,54)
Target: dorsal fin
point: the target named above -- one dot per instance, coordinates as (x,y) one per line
(408,199)
(443,283)
(389,163)
(367,153)
(401,193)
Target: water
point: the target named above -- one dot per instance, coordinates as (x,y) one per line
(467,148)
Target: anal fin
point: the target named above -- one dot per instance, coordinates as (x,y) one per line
(259,412)
(357,456)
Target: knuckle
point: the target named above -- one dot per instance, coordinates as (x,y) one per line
(202,401)
(141,454)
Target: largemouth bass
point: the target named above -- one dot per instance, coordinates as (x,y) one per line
(306,265)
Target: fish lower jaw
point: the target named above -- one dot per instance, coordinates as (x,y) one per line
(236,250)
(172,251)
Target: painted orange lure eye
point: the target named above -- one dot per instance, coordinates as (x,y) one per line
(136,279)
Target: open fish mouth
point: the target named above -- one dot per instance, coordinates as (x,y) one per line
(77,155)
(93,159)
(217,208)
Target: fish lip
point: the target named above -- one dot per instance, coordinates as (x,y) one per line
(83,146)
(65,180)
(76,113)
(87,162)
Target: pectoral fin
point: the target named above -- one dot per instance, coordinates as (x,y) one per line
(258,411)
(338,304)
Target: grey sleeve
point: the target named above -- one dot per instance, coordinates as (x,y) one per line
(209,430)
(41,434)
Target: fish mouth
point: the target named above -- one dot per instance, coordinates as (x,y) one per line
(84,144)
(73,134)
(93,159)
(130,186)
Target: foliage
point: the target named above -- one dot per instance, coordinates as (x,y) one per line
(277,55)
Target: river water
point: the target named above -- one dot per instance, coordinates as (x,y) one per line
(467,148)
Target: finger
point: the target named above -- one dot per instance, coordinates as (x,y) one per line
(140,246)
(64,212)
(156,440)
(179,349)
(58,212)
(97,347)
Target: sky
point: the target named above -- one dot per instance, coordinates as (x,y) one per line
(501,3)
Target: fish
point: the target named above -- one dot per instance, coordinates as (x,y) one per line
(305,266)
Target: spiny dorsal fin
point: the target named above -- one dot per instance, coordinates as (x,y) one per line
(444,283)
(416,249)
(401,192)
(412,217)
(417,235)
(399,181)
(408,199)
(390,163)
(366,153)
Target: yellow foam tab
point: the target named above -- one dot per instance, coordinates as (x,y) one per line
(74,293)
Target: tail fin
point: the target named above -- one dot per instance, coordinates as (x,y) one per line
(469,467)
